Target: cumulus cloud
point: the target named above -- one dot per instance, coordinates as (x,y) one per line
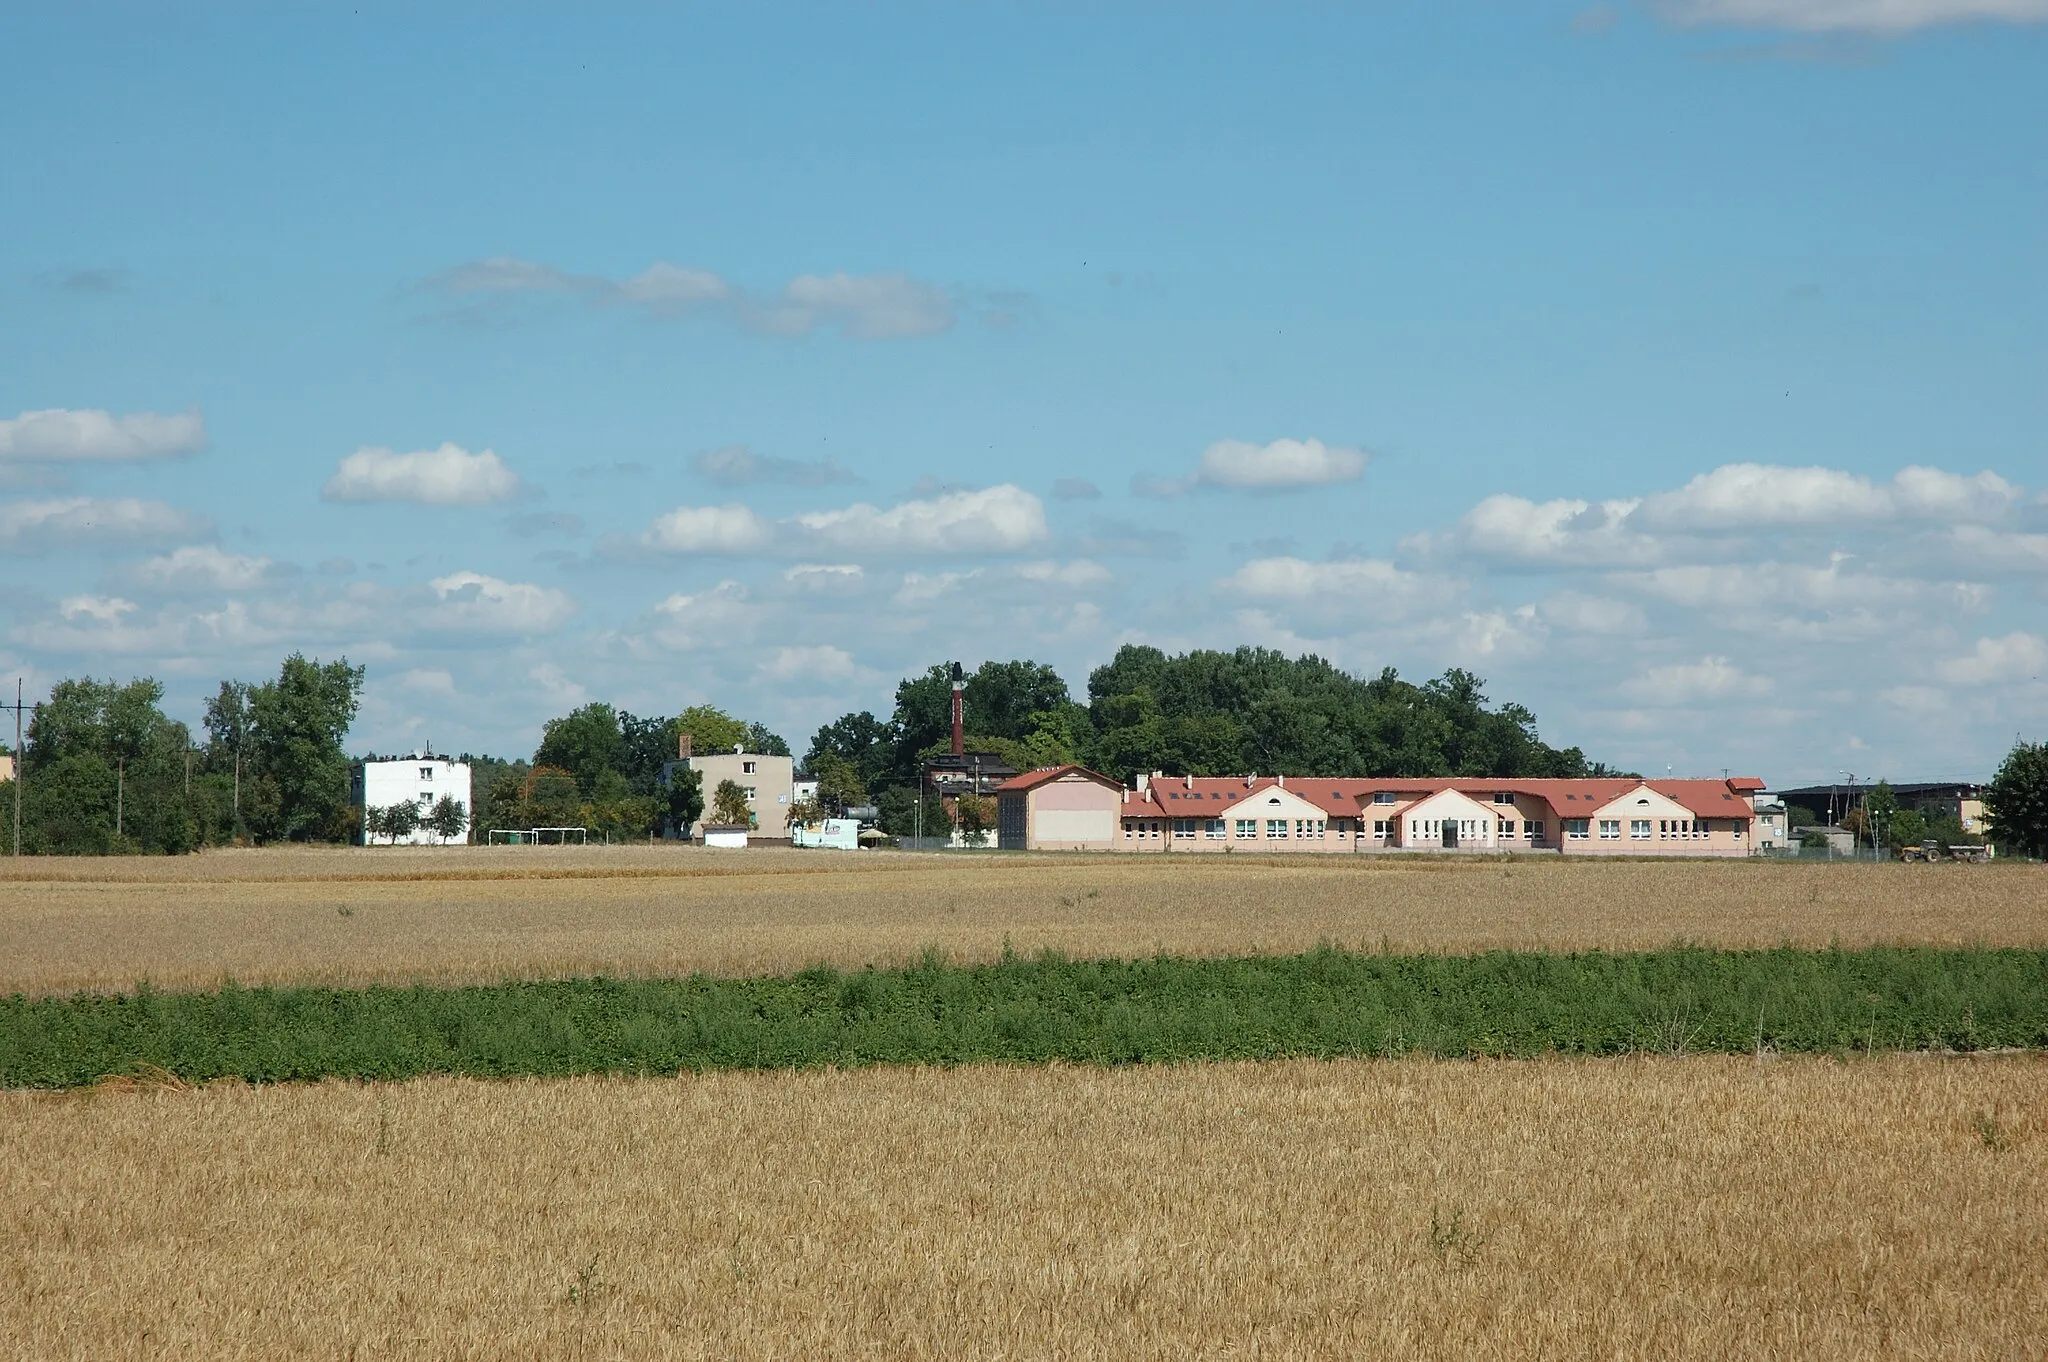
(1745,496)
(739,466)
(819,662)
(1691,683)
(427,681)
(73,522)
(476,603)
(1279,579)
(1880,17)
(61,435)
(861,306)
(448,476)
(2019,656)
(1280,465)
(994,520)
(730,529)
(1562,532)
(1077,574)
(200,567)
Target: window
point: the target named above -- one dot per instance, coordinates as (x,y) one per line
(1507,827)
(426,773)
(1380,828)
(1534,830)
(1503,797)
(751,792)
(1276,827)
(1213,830)
(1382,796)
(1638,828)
(1247,828)
(1308,827)
(1610,827)
(1663,828)
(747,768)
(1184,829)
(426,800)
(1575,828)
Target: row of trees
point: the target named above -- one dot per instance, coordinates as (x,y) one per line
(1202,713)
(106,771)
(447,819)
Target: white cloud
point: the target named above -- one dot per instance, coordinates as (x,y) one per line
(1987,550)
(1293,579)
(995,520)
(448,476)
(1932,494)
(556,689)
(102,609)
(1740,496)
(821,662)
(427,681)
(1564,532)
(1691,683)
(71,522)
(1888,17)
(58,435)
(1001,519)
(817,575)
(730,529)
(862,306)
(1076,574)
(1578,613)
(2018,656)
(473,602)
(199,567)
(1279,465)
(723,616)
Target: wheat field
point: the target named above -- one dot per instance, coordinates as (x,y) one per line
(1668,1208)
(351,917)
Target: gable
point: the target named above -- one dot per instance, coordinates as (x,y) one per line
(1642,802)
(1452,805)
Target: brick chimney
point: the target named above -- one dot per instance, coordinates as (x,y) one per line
(682,747)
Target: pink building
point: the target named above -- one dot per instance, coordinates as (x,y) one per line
(1058,808)
(1606,816)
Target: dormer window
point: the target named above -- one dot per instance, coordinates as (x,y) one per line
(1382,796)
(1503,797)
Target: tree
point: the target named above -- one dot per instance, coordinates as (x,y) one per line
(401,820)
(711,729)
(1882,808)
(729,805)
(449,819)
(2016,803)
(839,784)
(1906,828)
(550,799)
(807,813)
(975,814)
(296,724)
(587,743)
(684,798)
(375,822)
(109,772)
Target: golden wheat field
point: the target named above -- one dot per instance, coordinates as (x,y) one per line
(1643,1208)
(483,915)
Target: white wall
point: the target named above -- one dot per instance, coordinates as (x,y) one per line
(423,780)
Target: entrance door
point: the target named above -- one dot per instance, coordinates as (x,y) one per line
(1450,832)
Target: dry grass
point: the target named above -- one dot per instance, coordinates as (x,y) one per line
(1641,1208)
(353,917)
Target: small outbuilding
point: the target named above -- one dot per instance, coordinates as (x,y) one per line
(1058,808)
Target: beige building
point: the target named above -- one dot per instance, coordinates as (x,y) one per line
(769,781)
(6,766)
(1058,808)
(1624,816)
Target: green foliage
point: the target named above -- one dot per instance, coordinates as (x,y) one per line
(2016,804)
(106,772)
(839,783)
(711,729)
(729,805)
(296,725)
(976,817)
(1325,1003)
(1881,809)
(684,798)
(448,819)
(1906,828)
(586,743)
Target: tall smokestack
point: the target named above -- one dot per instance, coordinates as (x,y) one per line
(959,713)
(682,747)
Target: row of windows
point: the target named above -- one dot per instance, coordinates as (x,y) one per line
(1218,829)
(1467,827)
(1647,829)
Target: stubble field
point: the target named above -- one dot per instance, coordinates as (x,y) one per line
(1648,1206)
(354,917)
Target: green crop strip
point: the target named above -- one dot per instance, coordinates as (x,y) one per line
(1326,1002)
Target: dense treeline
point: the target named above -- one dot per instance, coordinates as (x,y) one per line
(106,772)
(602,769)
(1166,1009)
(1201,713)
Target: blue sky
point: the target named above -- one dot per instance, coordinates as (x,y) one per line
(1677,367)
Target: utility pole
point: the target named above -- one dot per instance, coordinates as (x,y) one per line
(19,770)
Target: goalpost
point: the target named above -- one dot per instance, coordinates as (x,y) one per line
(533,837)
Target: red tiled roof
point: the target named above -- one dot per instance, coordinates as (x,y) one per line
(1209,796)
(1031,780)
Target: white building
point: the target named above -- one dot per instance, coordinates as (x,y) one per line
(422,780)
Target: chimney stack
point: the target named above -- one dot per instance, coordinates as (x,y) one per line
(959,713)
(682,747)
